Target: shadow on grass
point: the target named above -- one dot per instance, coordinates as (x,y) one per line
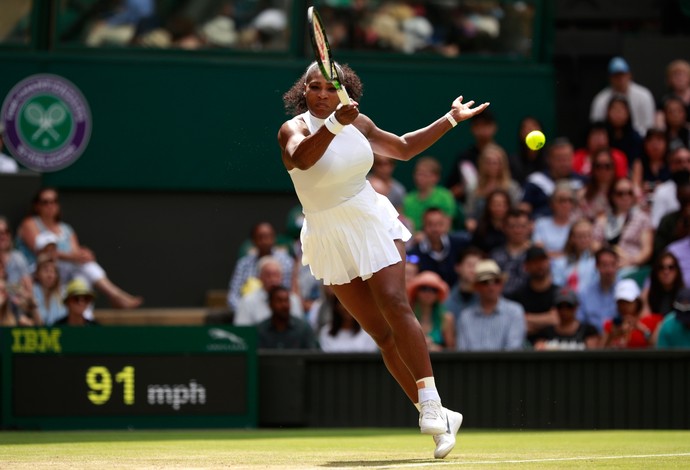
(374,463)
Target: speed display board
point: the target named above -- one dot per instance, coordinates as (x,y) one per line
(113,377)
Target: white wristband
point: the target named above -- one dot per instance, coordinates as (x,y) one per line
(451,119)
(333,125)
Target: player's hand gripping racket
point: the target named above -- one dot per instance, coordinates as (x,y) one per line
(322,51)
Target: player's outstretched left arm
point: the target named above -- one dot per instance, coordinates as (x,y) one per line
(412,143)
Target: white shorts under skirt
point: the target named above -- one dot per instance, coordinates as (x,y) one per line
(353,239)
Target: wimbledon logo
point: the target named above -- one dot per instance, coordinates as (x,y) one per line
(47,122)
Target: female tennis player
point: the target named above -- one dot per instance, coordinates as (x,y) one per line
(351,236)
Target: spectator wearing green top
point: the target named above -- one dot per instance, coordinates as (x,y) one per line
(674,331)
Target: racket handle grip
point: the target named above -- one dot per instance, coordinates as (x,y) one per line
(342,94)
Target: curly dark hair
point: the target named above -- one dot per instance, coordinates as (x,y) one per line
(294,100)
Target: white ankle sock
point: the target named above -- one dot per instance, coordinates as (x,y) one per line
(426,388)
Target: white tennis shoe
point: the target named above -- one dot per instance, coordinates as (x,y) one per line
(432,418)
(446,441)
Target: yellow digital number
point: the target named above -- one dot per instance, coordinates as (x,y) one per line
(126,376)
(100,383)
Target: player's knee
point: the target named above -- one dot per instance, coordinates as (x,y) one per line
(383,339)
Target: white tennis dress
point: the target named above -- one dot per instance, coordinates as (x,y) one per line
(349,228)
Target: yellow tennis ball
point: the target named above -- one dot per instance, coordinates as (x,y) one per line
(535,140)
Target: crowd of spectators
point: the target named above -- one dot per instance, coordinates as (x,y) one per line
(564,247)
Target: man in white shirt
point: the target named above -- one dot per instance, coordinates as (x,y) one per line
(641,100)
(664,199)
(7,163)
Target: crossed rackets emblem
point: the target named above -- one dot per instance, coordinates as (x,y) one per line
(45,119)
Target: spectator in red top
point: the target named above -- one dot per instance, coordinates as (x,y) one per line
(629,330)
(598,139)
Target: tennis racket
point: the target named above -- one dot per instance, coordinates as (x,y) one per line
(322,51)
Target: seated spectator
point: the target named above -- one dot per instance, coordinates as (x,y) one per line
(540,185)
(462,294)
(344,333)
(629,329)
(627,229)
(577,266)
(74,260)
(16,266)
(7,163)
(119,26)
(381,177)
(437,248)
(510,256)
(568,334)
(622,135)
(427,193)
(282,330)
(526,161)
(78,297)
(490,232)
(494,323)
(597,304)
(651,169)
(427,292)
(663,285)
(493,172)
(48,291)
(681,250)
(674,225)
(9,314)
(674,331)
(621,83)
(664,199)
(538,296)
(598,140)
(676,121)
(254,307)
(551,231)
(595,197)
(263,238)
(678,84)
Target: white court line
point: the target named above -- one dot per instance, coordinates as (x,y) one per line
(564,459)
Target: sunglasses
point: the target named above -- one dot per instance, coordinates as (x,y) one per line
(668,267)
(624,193)
(80,298)
(603,166)
(490,282)
(565,305)
(428,289)
(45,202)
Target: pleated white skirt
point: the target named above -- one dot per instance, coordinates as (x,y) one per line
(352,239)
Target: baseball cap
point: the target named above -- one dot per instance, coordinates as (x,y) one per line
(535,252)
(44,239)
(487,269)
(566,296)
(627,290)
(618,65)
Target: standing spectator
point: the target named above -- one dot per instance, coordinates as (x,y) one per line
(462,178)
(678,81)
(676,121)
(664,199)
(438,248)
(7,163)
(674,331)
(427,193)
(540,185)
(526,161)
(381,177)
(494,323)
(490,232)
(568,334)
(510,256)
(597,141)
(16,266)
(254,307)
(427,292)
(538,296)
(622,135)
(576,267)
(493,173)
(595,199)
(48,291)
(74,259)
(78,298)
(462,294)
(283,330)
(344,333)
(626,228)
(664,283)
(551,231)
(629,330)
(263,237)
(597,304)
(651,169)
(621,83)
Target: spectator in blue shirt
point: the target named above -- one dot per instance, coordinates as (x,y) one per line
(597,303)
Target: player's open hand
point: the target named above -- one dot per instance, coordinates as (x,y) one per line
(461,111)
